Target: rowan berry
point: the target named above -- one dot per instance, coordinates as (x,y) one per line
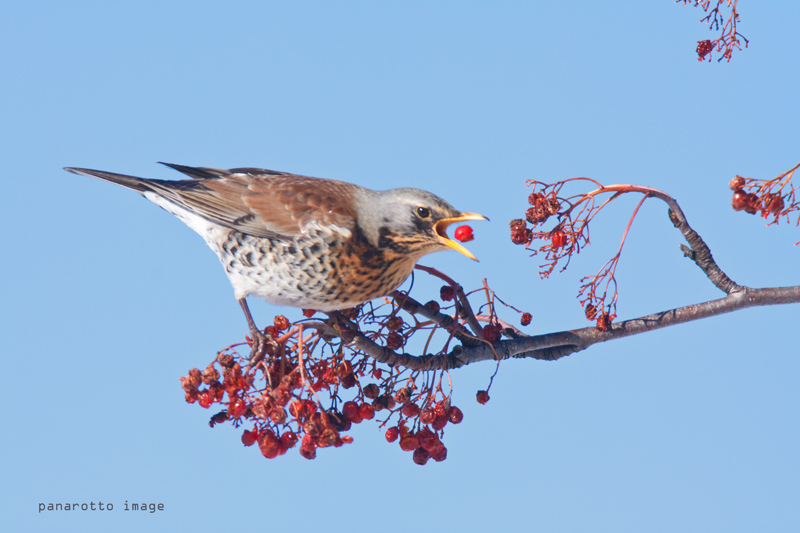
(278,415)
(775,204)
(395,323)
(351,411)
(204,399)
(739,201)
(289,439)
(392,434)
(491,332)
(439,454)
(409,443)
(366,411)
(371,391)
(439,422)
(394,340)
(463,234)
(427,416)
(420,456)
(736,183)
(455,415)
(483,397)
(525,319)
(703,49)
(411,410)
(447,293)
(558,238)
(522,236)
(249,437)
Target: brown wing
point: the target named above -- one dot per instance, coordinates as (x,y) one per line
(259,202)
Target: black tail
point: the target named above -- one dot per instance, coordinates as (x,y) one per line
(139,185)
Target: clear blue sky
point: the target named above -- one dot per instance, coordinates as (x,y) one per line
(107,299)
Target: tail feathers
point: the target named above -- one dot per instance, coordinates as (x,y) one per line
(198,173)
(139,185)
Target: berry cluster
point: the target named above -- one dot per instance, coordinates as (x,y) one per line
(764,197)
(728,41)
(309,390)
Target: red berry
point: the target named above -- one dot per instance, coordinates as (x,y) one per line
(483,397)
(526,319)
(269,444)
(736,183)
(392,434)
(455,415)
(491,332)
(351,412)
(308,313)
(558,238)
(408,443)
(420,456)
(204,399)
(440,454)
(521,236)
(394,340)
(446,293)
(463,234)
(703,49)
(371,391)
(739,200)
(427,416)
(249,437)
(439,422)
(411,410)
(395,323)
(281,323)
(289,439)
(775,205)
(237,408)
(366,411)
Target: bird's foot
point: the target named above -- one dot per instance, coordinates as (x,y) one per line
(261,344)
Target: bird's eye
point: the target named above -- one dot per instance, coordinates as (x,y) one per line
(423,212)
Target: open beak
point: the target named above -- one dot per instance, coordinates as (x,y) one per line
(441,230)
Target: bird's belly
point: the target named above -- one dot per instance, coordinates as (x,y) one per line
(320,273)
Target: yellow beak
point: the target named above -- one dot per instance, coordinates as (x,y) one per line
(441,230)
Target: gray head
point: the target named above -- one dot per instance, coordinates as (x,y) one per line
(410,221)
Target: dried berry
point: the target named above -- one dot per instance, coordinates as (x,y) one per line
(281,323)
(517,225)
(522,236)
(420,456)
(525,319)
(454,415)
(482,397)
(394,324)
(371,391)
(736,183)
(447,293)
(249,437)
(703,49)
(491,332)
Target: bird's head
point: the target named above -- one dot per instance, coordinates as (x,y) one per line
(411,221)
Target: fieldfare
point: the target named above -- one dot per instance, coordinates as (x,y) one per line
(300,241)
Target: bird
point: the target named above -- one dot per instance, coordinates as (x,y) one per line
(299,241)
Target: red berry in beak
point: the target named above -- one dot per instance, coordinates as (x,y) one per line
(463,234)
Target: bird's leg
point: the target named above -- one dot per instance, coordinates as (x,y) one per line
(261,341)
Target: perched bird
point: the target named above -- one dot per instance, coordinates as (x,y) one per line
(300,241)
